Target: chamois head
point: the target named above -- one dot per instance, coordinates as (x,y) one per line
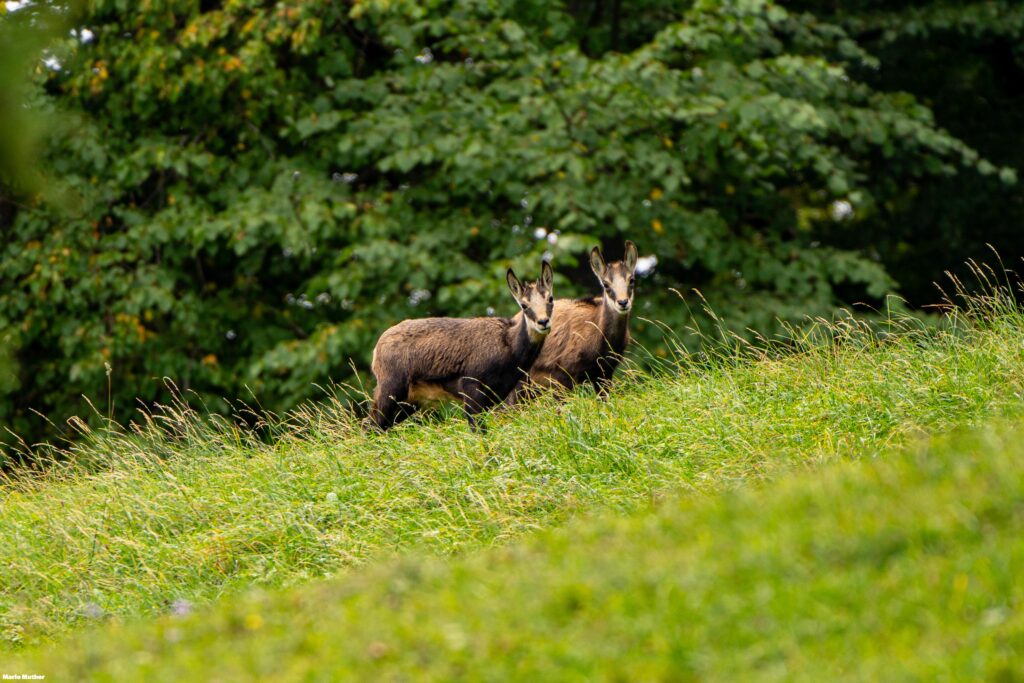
(616,278)
(536,299)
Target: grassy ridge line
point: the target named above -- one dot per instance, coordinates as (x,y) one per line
(220,515)
(902,568)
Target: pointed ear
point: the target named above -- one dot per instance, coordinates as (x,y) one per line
(631,255)
(547,276)
(514,285)
(597,263)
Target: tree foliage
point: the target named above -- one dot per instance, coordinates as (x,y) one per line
(965,60)
(254,191)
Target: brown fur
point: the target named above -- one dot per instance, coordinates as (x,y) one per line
(588,335)
(475,360)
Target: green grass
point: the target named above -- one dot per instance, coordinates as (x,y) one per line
(901,568)
(133,525)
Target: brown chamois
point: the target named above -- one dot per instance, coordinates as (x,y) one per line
(475,360)
(588,335)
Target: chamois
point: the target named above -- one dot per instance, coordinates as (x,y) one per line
(475,360)
(588,335)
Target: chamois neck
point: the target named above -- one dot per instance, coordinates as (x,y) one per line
(522,338)
(614,325)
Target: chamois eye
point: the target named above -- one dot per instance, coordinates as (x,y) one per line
(551,299)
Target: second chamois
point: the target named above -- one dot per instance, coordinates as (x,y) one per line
(473,360)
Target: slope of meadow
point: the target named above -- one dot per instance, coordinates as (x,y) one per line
(899,568)
(155,524)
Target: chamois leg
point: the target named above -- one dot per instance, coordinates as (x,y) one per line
(522,391)
(602,386)
(562,383)
(558,382)
(602,377)
(475,399)
(388,405)
(405,411)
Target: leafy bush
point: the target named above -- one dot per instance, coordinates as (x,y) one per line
(252,192)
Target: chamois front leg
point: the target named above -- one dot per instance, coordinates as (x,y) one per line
(523,390)
(601,376)
(389,407)
(475,399)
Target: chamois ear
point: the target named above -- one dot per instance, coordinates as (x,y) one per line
(514,285)
(547,276)
(631,255)
(597,263)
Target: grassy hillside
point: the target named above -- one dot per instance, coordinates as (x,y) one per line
(902,568)
(144,526)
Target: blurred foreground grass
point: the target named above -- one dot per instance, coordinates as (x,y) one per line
(901,568)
